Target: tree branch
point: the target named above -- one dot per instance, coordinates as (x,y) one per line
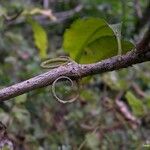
(137,8)
(76,71)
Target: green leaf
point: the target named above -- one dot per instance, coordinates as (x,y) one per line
(135,103)
(92,141)
(87,95)
(100,49)
(21,99)
(91,40)
(40,37)
(147,99)
(22,116)
(81,32)
(6,147)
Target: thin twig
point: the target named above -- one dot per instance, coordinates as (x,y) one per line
(142,22)
(138,10)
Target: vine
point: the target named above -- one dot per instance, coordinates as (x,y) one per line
(55,63)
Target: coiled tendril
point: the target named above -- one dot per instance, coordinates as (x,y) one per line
(117,31)
(54,63)
(54,90)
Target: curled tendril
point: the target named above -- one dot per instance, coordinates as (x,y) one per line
(117,31)
(54,90)
(54,63)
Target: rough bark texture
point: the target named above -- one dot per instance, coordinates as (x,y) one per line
(75,71)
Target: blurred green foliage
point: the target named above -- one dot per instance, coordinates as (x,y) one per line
(40,38)
(35,120)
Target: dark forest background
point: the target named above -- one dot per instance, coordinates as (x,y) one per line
(112,111)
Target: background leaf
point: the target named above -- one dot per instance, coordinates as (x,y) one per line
(40,37)
(135,103)
(92,141)
(38,121)
(21,98)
